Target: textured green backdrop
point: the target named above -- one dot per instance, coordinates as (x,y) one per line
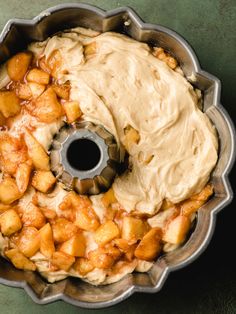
(209,284)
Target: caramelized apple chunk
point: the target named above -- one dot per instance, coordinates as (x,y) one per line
(150,245)
(63,230)
(46,107)
(75,246)
(62,91)
(72,110)
(29,241)
(10,222)
(106,233)
(108,198)
(62,260)
(9,191)
(12,152)
(19,260)
(9,104)
(32,216)
(47,247)
(38,76)
(133,229)
(43,180)
(36,152)
(83,266)
(23,176)
(176,230)
(18,65)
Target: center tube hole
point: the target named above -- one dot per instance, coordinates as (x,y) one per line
(83,154)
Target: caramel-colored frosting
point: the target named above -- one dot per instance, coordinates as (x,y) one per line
(119,84)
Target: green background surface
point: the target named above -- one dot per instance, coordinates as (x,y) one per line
(209,284)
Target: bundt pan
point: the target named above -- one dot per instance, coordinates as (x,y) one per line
(15,37)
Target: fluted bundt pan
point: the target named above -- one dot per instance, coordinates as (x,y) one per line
(15,37)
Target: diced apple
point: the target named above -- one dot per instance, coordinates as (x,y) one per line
(108,198)
(36,152)
(10,222)
(122,244)
(43,181)
(36,89)
(100,259)
(46,107)
(38,76)
(90,49)
(86,219)
(72,110)
(75,246)
(150,246)
(32,216)
(131,137)
(63,230)
(106,233)
(47,247)
(9,191)
(9,103)
(62,91)
(62,260)
(23,91)
(204,194)
(18,65)
(83,266)
(29,241)
(19,260)
(12,153)
(23,175)
(176,230)
(133,229)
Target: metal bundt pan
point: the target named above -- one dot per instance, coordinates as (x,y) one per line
(15,36)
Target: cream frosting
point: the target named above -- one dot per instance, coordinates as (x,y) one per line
(124,84)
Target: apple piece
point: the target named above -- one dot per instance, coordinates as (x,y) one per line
(106,233)
(43,181)
(62,91)
(18,65)
(83,266)
(32,216)
(36,89)
(133,229)
(29,241)
(108,198)
(10,222)
(19,260)
(62,260)
(38,76)
(150,246)
(23,175)
(36,152)
(63,230)
(9,104)
(46,107)
(47,247)
(72,110)
(9,191)
(176,230)
(23,91)
(75,246)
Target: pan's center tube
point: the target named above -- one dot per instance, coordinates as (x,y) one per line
(83,154)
